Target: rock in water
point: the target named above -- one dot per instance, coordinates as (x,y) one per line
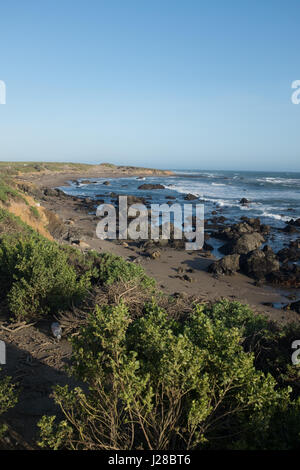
(151,186)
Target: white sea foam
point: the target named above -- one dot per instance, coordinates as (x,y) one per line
(283,218)
(283,181)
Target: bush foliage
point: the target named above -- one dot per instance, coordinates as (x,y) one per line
(114,268)
(155,383)
(209,377)
(8,399)
(36,277)
(40,277)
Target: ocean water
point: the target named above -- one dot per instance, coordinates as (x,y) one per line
(275,197)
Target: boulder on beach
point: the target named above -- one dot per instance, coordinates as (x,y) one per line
(242,245)
(228,265)
(259,263)
(154,253)
(288,276)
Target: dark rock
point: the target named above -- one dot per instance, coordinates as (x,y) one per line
(294,222)
(221,219)
(288,276)
(148,186)
(265,229)
(244,244)
(233,232)
(52,192)
(244,201)
(290,228)
(228,265)
(106,183)
(207,247)
(135,200)
(288,254)
(295,306)
(267,249)
(190,197)
(86,182)
(259,264)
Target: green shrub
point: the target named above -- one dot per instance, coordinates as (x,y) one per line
(114,268)
(36,277)
(8,399)
(157,384)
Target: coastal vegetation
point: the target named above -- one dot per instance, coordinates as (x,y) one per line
(153,371)
(156,383)
(8,399)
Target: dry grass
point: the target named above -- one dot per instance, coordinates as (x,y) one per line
(22,210)
(131,294)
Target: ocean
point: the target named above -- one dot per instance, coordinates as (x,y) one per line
(274,197)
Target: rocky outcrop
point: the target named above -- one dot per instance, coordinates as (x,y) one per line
(228,265)
(259,264)
(296,222)
(248,225)
(289,228)
(290,253)
(244,244)
(288,276)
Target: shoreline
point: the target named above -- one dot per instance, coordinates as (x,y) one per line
(38,360)
(176,271)
(52,180)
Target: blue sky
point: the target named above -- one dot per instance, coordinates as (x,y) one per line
(168,83)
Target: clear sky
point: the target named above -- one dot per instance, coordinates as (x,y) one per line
(163,83)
